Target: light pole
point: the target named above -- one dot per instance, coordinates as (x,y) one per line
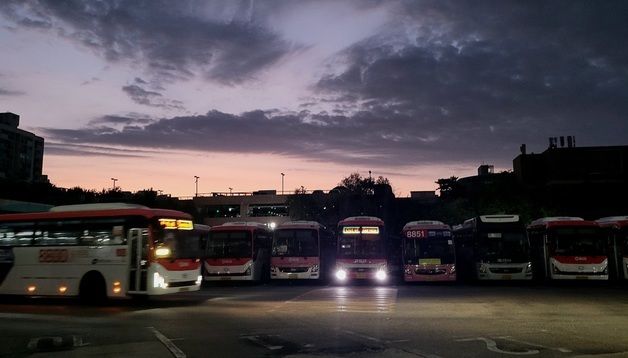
(230,191)
(282,176)
(196,182)
(114,183)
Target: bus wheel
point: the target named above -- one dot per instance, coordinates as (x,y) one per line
(92,289)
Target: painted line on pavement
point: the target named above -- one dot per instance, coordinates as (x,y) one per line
(176,352)
(560,349)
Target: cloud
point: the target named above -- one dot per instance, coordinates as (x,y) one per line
(149,98)
(5,92)
(171,40)
(66,149)
(128,120)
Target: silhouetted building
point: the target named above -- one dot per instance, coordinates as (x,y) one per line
(569,165)
(21,152)
(426,196)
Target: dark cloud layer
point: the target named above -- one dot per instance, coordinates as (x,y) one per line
(170,39)
(497,71)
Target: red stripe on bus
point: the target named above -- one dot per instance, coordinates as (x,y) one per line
(585,260)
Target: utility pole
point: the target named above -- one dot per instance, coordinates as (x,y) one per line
(114,183)
(196,182)
(282,176)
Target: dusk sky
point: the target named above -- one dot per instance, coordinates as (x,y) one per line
(237,92)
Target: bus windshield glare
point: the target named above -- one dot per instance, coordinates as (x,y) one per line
(293,242)
(439,248)
(360,245)
(229,244)
(577,241)
(182,244)
(503,247)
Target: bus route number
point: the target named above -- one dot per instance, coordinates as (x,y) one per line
(53,255)
(416,234)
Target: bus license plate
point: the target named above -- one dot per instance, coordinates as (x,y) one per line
(182,289)
(582,278)
(226,278)
(292,275)
(506,277)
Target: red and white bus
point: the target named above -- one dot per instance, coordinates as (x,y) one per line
(98,250)
(362,253)
(616,228)
(568,248)
(238,251)
(428,251)
(297,252)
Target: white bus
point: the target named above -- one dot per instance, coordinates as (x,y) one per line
(238,251)
(98,250)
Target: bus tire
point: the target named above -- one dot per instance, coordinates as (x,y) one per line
(92,289)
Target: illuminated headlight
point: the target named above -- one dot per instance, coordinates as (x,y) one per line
(159,281)
(341,274)
(452,269)
(381,275)
(529,268)
(162,252)
(199,279)
(314,268)
(482,268)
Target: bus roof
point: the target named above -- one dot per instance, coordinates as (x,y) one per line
(49,215)
(560,221)
(300,225)
(240,225)
(426,224)
(613,221)
(97,206)
(361,220)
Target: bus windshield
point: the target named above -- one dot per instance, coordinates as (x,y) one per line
(295,242)
(578,241)
(441,249)
(357,246)
(184,244)
(229,244)
(503,247)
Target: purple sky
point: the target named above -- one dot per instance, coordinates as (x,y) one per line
(236,92)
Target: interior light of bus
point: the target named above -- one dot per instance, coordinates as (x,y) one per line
(117,287)
(62,289)
(162,252)
(31,289)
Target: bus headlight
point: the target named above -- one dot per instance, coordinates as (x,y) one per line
(199,279)
(341,274)
(529,268)
(273,269)
(159,281)
(314,268)
(381,275)
(452,269)
(162,252)
(555,269)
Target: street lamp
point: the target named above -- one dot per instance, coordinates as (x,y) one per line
(230,191)
(282,176)
(196,182)
(114,183)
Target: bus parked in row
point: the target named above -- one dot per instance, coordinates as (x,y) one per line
(428,251)
(492,247)
(238,251)
(97,251)
(362,250)
(616,228)
(301,250)
(568,248)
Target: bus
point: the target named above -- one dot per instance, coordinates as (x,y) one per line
(361,250)
(98,251)
(616,228)
(428,251)
(568,248)
(300,251)
(238,251)
(492,247)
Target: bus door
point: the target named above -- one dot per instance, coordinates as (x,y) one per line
(138,260)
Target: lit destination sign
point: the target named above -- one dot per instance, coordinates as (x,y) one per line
(354,230)
(174,224)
